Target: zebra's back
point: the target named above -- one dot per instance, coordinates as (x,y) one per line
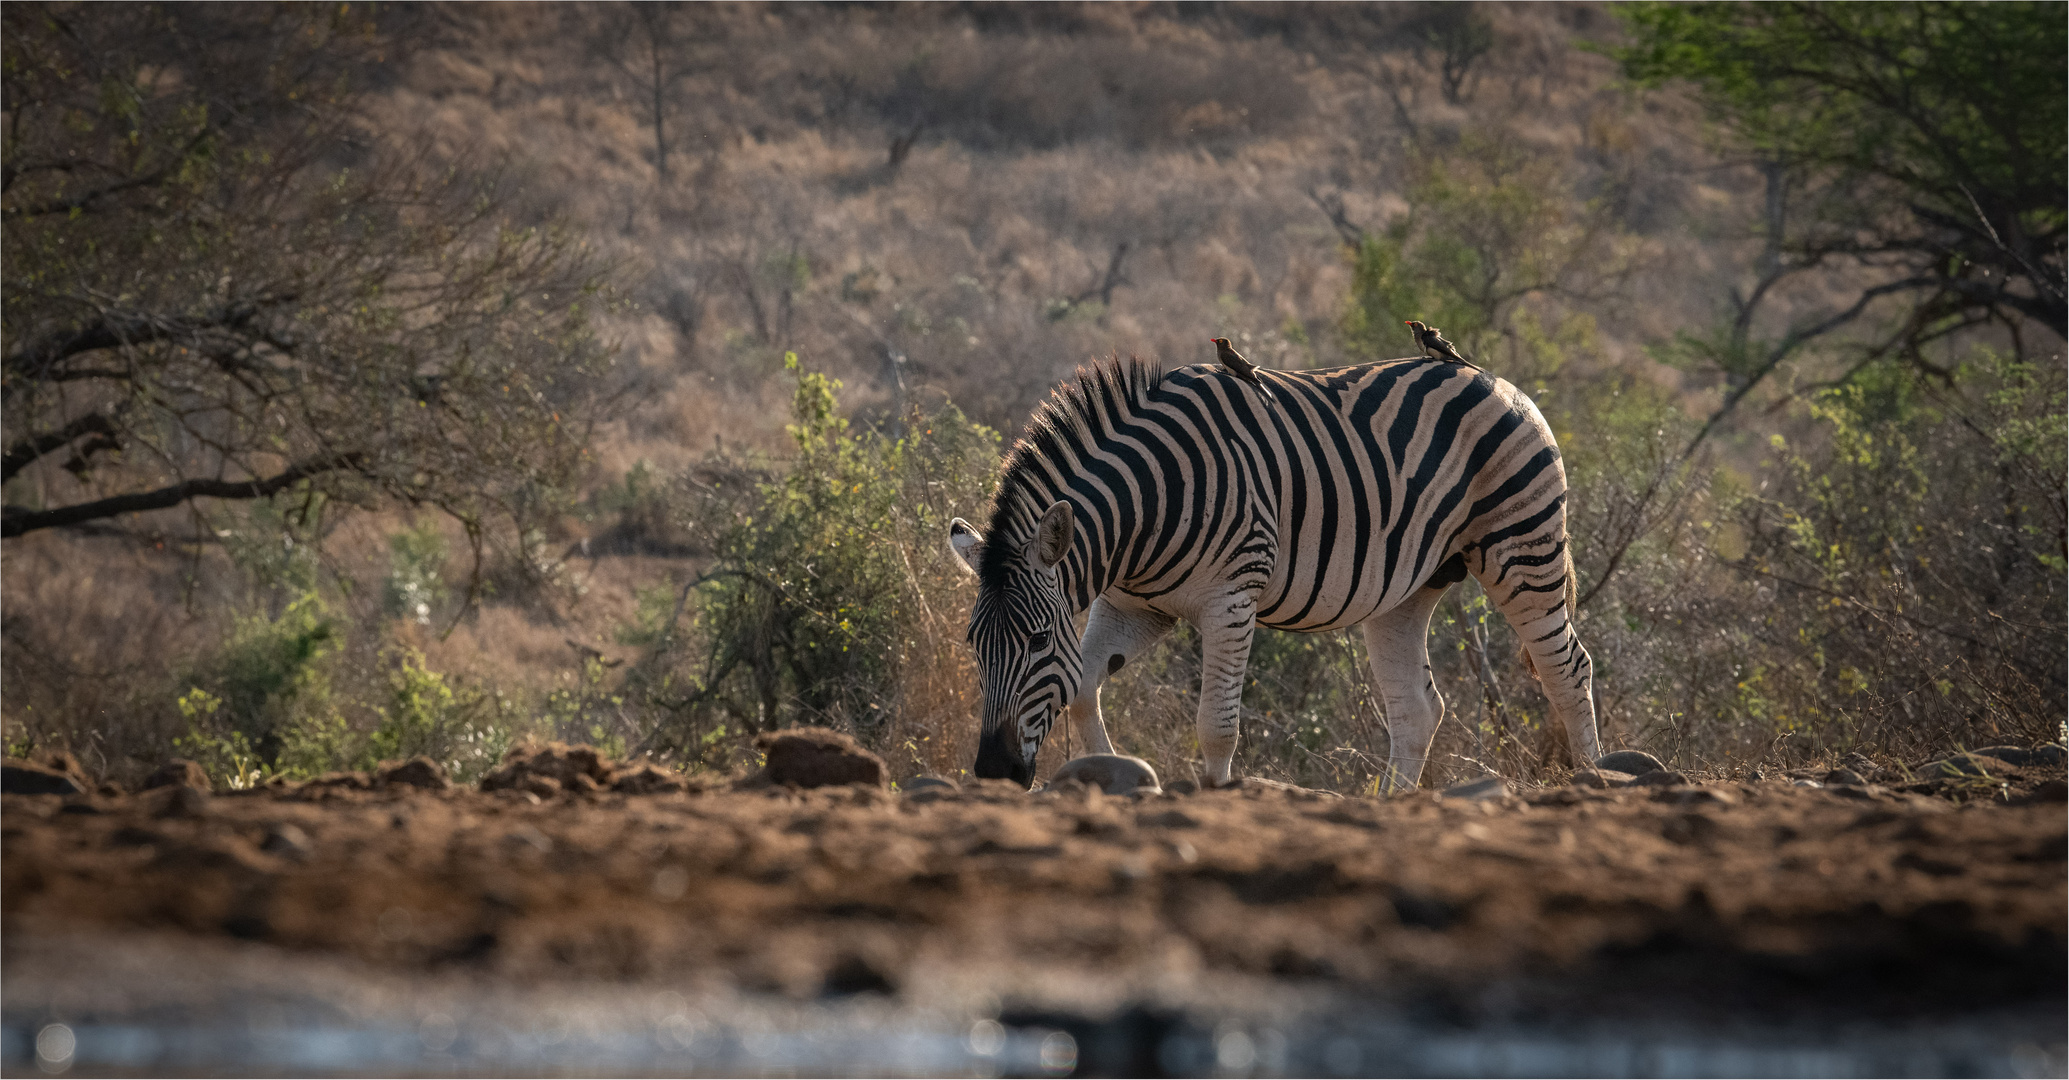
(1339,497)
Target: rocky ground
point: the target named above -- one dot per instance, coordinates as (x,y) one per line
(1658,903)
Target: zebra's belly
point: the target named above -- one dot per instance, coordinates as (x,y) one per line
(1318,599)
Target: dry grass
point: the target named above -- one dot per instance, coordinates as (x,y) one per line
(1046,138)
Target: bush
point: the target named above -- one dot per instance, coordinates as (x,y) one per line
(834,600)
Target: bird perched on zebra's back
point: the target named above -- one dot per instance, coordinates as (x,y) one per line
(1238,365)
(1434,345)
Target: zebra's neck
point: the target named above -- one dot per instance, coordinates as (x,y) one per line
(1090,565)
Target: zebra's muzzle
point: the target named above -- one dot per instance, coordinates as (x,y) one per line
(998,758)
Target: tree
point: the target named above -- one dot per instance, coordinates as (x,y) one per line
(1922,143)
(643,42)
(219,284)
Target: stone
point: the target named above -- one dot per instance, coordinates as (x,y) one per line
(18,777)
(2050,791)
(542,787)
(417,772)
(1845,776)
(1805,784)
(1661,778)
(558,762)
(286,839)
(1695,796)
(176,772)
(1114,774)
(180,802)
(1635,762)
(929,783)
(1601,778)
(2038,757)
(1486,787)
(647,778)
(810,757)
(1955,766)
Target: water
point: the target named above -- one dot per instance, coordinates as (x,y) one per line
(840,1046)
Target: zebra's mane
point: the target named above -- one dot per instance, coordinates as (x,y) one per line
(1076,412)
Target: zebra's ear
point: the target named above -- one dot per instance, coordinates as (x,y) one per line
(1052,537)
(968,545)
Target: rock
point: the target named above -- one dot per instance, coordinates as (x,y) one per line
(1845,776)
(1115,774)
(810,757)
(1954,766)
(2051,791)
(1635,762)
(286,839)
(338,781)
(419,772)
(176,772)
(18,777)
(1696,796)
(541,787)
(180,802)
(1486,787)
(937,784)
(1601,778)
(558,762)
(2038,757)
(1805,783)
(1661,778)
(1259,785)
(647,778)
(1754,774)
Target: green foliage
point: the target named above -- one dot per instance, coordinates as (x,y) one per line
(810,615)
(427,713)
(272,679)
(211,277)
(1935,96)
(1940,132)
(416,562)
(1490,224)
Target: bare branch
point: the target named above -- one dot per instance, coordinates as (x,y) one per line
(15,520)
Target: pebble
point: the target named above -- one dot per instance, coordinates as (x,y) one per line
(1486,787)
(1601,778)
(1115,774)
(1635,762)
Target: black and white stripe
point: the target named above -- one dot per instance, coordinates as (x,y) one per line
(1354,496)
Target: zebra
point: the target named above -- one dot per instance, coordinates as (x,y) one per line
(1357,496)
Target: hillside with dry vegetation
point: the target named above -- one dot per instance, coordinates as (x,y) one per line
(609,373)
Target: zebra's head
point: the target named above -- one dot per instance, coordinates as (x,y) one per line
(1027,645)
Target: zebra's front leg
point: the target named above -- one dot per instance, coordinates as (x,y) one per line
(1113,636)
(1226,630)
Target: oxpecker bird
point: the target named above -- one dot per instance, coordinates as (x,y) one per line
(1433,344)
(1239,365)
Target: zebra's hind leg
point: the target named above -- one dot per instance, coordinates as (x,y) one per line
(1113,636)
(1398,644)
(1536,594)
(1226,630)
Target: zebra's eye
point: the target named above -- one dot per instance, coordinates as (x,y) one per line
(1039,642)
